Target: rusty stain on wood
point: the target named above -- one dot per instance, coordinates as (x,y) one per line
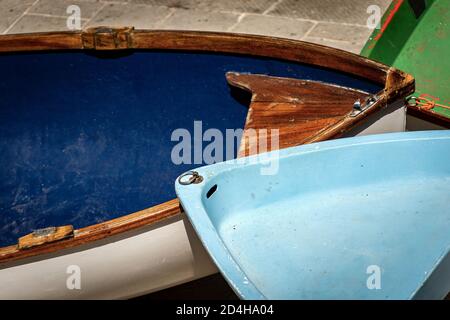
(47,235)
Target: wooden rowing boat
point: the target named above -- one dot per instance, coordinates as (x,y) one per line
(87,118)
(335,221)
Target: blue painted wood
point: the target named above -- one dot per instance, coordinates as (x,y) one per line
(335,214)
(86,138)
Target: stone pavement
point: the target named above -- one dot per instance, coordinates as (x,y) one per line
(336,23)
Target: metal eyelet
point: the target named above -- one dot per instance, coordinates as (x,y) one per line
(195,178)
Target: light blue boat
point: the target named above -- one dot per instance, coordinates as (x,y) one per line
(357,218)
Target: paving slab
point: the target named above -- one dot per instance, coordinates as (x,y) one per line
(59,8)
(343,11)
(38,23)
(273,26)
(240,6)
(11,10)
(340,32)
(139,16)
(199,20)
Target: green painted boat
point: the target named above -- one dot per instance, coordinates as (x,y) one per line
(414,36)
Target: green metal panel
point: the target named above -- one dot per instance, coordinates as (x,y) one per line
(420,46)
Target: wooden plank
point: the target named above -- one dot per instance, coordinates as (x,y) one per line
(298,109)
(40,41)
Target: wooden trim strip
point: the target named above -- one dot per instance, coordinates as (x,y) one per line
(429,116)
(40,41)
(291,50)
(97,231)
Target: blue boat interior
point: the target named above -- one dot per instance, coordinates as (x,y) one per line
(86,137)
(356,218)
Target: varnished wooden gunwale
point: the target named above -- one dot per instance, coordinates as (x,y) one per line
(98,231)
(290,50)
(430,116)
(396,85)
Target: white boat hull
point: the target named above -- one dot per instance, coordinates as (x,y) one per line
(123,266)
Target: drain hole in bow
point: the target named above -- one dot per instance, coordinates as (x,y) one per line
(211,191)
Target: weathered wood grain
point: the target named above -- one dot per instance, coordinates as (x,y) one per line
(298,109)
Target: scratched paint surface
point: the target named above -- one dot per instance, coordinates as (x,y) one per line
(419,46)
(426,55)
